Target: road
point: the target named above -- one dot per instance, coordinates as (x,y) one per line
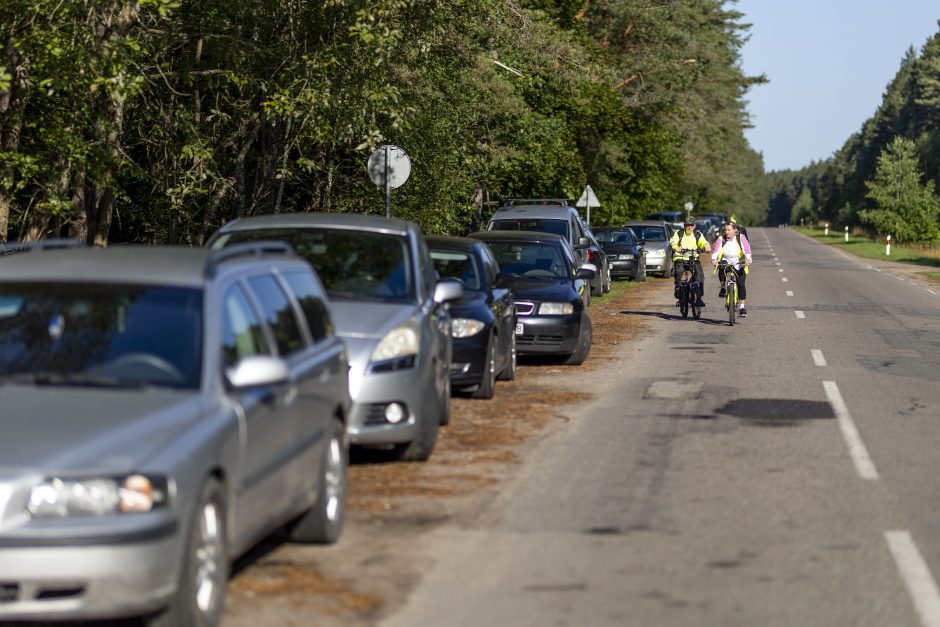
(780,472)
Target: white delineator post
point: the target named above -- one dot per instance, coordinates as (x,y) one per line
(846,233)
(888,246)
(827,229)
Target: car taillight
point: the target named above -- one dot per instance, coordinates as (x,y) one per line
(591,255)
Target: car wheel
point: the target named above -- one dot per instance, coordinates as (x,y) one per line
(323,523)
(607,282)
(598,288)
(509,372)
(584,342)
(640,272)
(200,596)
(488,380)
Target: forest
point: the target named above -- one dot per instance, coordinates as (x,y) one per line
(157,121)
(883,180)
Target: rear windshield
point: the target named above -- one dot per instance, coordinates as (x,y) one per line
(101,334)
(606,238)
(532,259)
(558,227)
(457,264)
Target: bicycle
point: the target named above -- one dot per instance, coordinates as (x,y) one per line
(688,286)
(731,289)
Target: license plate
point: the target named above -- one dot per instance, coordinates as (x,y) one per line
(518,328)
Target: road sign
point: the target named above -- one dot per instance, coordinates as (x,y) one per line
(399,166)
(389,167)
(588,199)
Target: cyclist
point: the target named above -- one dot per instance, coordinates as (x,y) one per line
(734,247)
(688,239)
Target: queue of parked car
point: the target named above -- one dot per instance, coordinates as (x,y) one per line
(165,408)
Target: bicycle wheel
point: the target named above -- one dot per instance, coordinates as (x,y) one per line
(732,301)
(684,300)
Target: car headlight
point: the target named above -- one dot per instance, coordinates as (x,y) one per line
(101,496)
(465,327)
(556,309)
(397,350)
(656,253)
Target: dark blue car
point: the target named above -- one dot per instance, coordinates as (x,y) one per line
(482,321)
(551,290)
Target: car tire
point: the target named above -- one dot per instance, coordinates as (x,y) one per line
(584,342)
(509,372)
(607,281)
(200,595)
(598,290)
(323,523)
(488,380)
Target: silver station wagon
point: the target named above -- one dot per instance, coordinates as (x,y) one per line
(389,308)
(162,410)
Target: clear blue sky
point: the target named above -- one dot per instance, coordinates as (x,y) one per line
(828,62)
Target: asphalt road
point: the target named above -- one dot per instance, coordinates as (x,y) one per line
(783,471)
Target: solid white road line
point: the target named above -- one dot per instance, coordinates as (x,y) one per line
(916,575)
(818,357)
(932,292)
(789,293)
(863,464)
(800,314)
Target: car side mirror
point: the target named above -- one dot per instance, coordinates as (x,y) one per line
(447,290)
(584,242)
(587,271)
(257,371)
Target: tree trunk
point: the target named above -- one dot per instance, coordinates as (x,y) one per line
(12,105)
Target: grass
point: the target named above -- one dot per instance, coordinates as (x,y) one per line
(617,287)
(863,246)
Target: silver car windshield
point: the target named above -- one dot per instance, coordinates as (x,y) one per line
(531,259)
(352,264)
(101,334)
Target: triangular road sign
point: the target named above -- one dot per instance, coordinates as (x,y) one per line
(588,199)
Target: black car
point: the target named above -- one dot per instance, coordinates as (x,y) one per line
(483,320)
(625,255)
(551,291)
(600,284)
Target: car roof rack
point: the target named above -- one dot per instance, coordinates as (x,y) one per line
(561,202)
(259,249)
(11,248)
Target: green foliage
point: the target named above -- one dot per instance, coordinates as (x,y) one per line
(905,207)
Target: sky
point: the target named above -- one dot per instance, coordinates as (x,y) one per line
(829,62)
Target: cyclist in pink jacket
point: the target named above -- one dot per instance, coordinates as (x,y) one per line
(733,246)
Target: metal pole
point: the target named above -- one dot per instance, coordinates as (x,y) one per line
(388,188)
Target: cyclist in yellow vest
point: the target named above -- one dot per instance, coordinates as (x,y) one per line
(688,239)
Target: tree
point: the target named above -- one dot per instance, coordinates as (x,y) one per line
(906,208)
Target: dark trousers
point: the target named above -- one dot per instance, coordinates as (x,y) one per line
(742,288)
(697,275)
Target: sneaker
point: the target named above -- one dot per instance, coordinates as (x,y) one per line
(722,293)
(743,312)
(700,304)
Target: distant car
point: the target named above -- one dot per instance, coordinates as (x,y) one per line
(163,410)
(667,216)
(654,235)
(600,284)
(388,308)
(555,215)
(483,321)
(625,254)
(551,292)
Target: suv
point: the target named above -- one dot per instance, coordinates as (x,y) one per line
(390,310)
(558,216)
(163,410)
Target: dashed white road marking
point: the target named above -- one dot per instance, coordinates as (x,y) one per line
(818,358)
(932,292)
(789,293)
(800,314)
(784,279)
(863,464)
(779,269)
(916,575)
